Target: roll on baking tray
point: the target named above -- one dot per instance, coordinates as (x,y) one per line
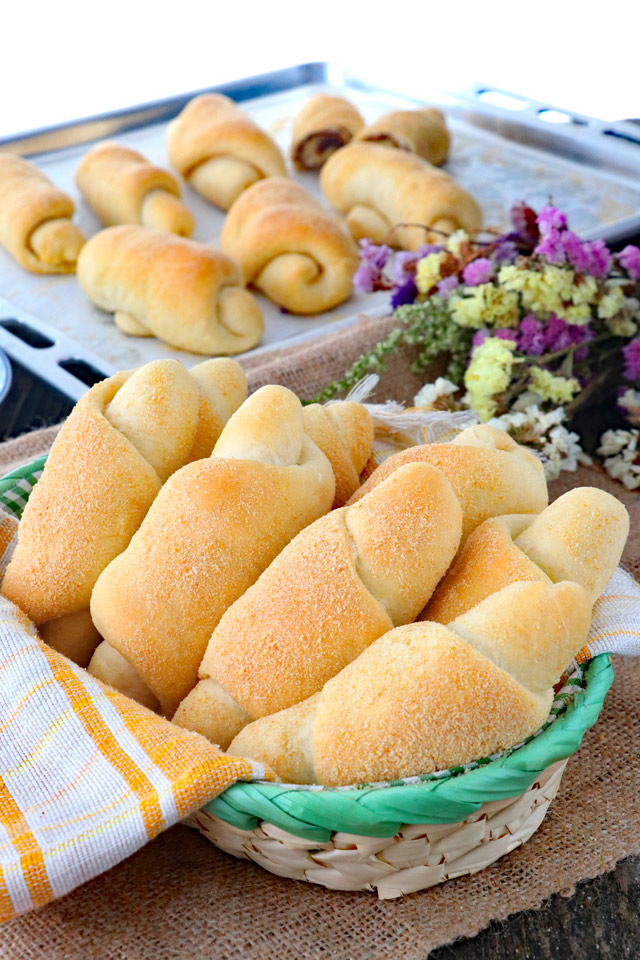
(423,132)
(219,150)
(35,219)
(121,186)
(183,292)
(325,123)
(379,190)
(290,247)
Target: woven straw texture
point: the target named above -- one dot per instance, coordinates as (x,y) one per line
(179,896)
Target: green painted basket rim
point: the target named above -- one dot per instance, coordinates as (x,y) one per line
(380,811)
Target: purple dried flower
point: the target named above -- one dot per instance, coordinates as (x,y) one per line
(550,218)
(557,334)
(631,354)
(403,266)
(478,271)
(525,224)
(426,249)
(373,259)
(531,337)
(575,251)
(551,246)
(479,338)
(629,259)
(598,257)
(505,252)
(447,284)
(406,293)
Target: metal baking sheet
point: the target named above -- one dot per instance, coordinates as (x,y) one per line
(590,169)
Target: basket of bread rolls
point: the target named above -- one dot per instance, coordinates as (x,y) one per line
(407,654)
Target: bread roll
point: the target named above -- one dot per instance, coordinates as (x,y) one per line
(427,697)
(419,131)
(349,577)
(325,123)
(182,292)
(290,247)
(344,433)
(219,150)
(490,474)
(121,186)
(216,525)
(35,219)
(379,189)
(121,441)
(580,537)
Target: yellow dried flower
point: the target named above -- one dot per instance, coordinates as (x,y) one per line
(488,374)
(428,271)
(613,302)
(455,241)
(485,306)
(552,290)
(556,389)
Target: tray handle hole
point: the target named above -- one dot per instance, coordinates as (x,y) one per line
(26,333)
(628,137)
(505,100)
(555,116)
(82,371)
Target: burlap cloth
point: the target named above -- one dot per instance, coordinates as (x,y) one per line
(181,897)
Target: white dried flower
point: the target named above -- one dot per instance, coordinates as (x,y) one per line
(630,403)
(620,447)
(558,448)
(431,392)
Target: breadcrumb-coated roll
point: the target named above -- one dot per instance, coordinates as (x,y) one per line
(426,697)
(579,537)
(216,525)
(121,186)
(325,123)
(378,190)
(490,474)
(290,247)
(35,219)
(338,586)
(421,131)
(219,150)
(157,284)
(120,443)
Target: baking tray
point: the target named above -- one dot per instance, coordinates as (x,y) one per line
(501,152)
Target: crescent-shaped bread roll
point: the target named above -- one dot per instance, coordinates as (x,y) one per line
(35,219)
(219,150)
(350,577)
(426,697)
(216,525)
(290,247)
(420,131)
(344,433)
(122,440)
(580,537)
(121,186)
(378,190)
(325,123)
(490,474)
(157,284)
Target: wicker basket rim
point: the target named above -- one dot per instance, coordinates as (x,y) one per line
(381,809)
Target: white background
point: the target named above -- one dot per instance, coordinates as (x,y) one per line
(60,61)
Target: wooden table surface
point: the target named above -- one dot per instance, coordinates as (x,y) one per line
(600,920)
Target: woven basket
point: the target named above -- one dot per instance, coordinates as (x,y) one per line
(399,837)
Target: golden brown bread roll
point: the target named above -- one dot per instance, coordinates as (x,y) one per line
(183,292)
(121,186)
(378,189)
(580,537)
(339,585)
(421,131)
(219,150)
(122,440)
(490,474)
(325,123)
(344,433)
(426,697)
(35,219)
(290,247)
(216,525)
